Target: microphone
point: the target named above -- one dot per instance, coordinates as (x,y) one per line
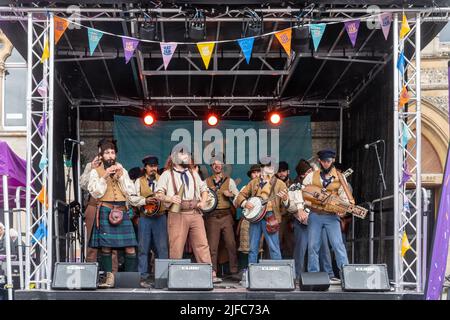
(81,143)
(372,144)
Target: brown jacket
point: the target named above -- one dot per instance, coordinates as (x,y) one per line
(252,189)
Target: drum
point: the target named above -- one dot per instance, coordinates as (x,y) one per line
(211,203)
(151,209)
(257,213)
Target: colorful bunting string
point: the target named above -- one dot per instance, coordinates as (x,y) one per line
(46,52)
(206,48)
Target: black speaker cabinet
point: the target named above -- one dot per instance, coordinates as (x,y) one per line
(162,271)
(127,280)
(190,276)
(314,281)
(75,276)
(365,277)
(290,262)
(270,276)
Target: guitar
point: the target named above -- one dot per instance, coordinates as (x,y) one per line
(260,205)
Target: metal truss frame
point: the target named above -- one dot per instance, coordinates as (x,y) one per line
(407,121)
(39,191)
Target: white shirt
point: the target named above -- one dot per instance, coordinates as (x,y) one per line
(84,179)
(165,184)
(97,187)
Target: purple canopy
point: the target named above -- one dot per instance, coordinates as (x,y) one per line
(15,168)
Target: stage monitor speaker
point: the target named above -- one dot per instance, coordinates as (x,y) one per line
(290,262)
(190,276)
(314,281)
(127,279)
(270,276)
(162,271)
(365,277)
(75,276)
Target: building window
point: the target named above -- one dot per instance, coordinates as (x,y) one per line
(14,92)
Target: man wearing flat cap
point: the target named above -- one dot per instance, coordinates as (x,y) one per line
(154,228)
(326,177)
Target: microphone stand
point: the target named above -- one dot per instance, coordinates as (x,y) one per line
(68,188)
(382,185)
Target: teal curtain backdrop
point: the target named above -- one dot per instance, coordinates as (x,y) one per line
(135,140)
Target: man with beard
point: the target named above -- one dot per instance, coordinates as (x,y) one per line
(188,221)
(303,168)
(220,221)
(150,229)
(286,228)
(110,184)
(91,208)
(325,177)
(262,187)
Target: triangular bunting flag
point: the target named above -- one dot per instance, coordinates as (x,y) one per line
(401,63)
(129,45)
(405,27)
(317,31)
(94,37)
(284,37)
(60,26)
(405,244)
(167,51)
(352,28)
(385,22)
(206,51)
(46,52)
(404,97)
(406,136)
(246,45)
(42,197)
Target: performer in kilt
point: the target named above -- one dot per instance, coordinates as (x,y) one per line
(111,186)
(151,229)
(91,208)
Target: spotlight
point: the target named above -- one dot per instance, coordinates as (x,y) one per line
(275,118)
(212,119)
(149,28)
(197,26)
(253,27)
(149,118)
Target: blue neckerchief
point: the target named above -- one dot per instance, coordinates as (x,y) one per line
(184,177)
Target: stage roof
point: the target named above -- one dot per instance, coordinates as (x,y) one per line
(330,77)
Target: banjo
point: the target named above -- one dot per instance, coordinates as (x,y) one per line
(213,200)
(151,209)
(260,205)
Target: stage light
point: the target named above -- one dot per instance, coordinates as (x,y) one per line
(253,27)
(149,28)
(149,119)
(275,118)
(212,119)
(197,26)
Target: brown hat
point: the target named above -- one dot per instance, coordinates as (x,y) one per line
(254,167)
(302,167)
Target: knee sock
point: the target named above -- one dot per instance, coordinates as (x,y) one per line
(130,262)
(106,262)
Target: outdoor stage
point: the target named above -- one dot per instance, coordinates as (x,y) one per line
(230,291)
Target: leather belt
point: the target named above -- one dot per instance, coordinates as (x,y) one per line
(107,205)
